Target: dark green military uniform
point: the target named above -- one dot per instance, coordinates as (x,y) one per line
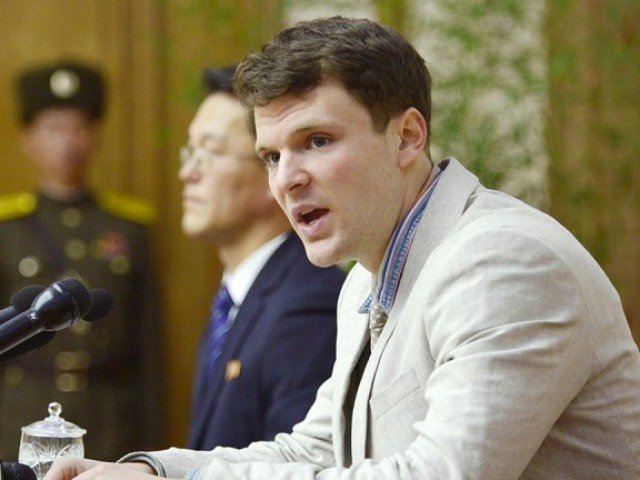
(106,373)
(102,373)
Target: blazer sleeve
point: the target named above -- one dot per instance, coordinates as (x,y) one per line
(308,446)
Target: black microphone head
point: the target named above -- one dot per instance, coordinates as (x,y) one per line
(17,471)
(78,292)
(101,303)
(21,300)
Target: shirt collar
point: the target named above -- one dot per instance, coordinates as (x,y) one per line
(240,280)
(388,277)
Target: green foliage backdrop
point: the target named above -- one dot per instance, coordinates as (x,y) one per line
(488,68)
(594,134)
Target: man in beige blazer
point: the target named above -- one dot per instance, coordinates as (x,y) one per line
(477,339)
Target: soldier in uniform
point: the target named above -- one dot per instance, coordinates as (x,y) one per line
(105,374)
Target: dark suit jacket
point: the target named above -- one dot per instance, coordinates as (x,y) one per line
(279,350)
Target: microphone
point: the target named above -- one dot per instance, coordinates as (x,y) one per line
(20,301)
(101,303)
(56,308)
(16,471)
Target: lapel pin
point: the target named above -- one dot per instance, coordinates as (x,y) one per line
(233,369)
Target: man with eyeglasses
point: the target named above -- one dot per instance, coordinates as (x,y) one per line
(271,339)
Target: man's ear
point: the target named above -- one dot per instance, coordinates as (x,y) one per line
(412,131)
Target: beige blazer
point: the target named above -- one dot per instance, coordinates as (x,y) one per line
(506,355)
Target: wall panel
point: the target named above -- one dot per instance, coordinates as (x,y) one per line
(594,121)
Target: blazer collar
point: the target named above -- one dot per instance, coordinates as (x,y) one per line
(448,203)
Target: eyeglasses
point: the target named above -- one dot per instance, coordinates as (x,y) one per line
(205,157)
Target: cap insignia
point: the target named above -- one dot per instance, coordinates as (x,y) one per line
(64,83)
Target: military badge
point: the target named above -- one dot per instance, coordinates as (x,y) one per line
(64,83)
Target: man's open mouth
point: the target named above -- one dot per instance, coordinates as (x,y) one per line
(310,217)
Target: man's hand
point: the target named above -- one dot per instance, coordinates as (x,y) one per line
(84,469)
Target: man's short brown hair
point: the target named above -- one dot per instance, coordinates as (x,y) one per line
(376,65)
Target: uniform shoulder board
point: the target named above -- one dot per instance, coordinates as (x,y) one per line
(127,206)
(17,205)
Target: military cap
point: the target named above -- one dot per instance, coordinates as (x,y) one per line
(61,84)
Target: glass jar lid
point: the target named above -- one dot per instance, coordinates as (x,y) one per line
(54,426)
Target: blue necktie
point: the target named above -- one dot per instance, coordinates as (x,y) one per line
(214,339)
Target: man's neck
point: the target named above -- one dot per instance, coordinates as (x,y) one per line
(423,181)
(418,184)
(233,254)
(62,192)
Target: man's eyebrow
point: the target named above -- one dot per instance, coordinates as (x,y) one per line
(305,128)
(209,137)
(315,125)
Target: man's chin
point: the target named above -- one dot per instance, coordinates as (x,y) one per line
(321,258)
(192,230)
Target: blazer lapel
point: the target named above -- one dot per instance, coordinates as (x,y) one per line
(207,401)
(447,204)
(246,318)
(358,334)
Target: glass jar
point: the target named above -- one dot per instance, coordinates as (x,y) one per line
(44,441)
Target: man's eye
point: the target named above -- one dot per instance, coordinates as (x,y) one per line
(271,158)
(318,142)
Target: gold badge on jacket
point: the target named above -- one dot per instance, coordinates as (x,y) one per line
(233,369)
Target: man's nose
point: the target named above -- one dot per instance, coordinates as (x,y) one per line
(189,170)
(290,173)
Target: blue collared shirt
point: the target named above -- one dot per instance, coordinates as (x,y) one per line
(388,276)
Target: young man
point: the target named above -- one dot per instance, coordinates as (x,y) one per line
(260,365)
(106,374)
(476,338)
